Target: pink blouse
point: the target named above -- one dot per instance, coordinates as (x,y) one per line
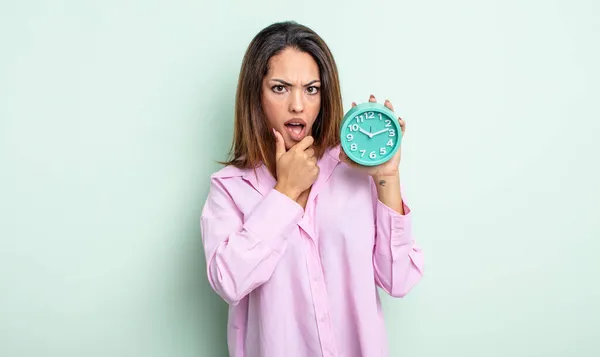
(303,283)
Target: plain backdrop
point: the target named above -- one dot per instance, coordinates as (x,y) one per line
(114,113)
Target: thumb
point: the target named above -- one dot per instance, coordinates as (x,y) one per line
(279,144)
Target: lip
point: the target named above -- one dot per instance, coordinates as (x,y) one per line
(295,120)
(293,135)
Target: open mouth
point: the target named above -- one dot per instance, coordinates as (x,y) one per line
(295,128)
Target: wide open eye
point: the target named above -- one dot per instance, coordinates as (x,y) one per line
(312,90)
(278,89)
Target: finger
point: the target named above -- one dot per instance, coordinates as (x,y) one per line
(345,158)
(304,143)
(279,144)
(310,152)
(372,99)
(402,124)
(343,155)
(353,104)
(389,105)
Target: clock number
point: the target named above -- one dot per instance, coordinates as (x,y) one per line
(392,132)
(350,137)
(353,127)
(362,153)
(359,119)
(353,147)
(370,115)
(382,151)
(380,117)
(388,123)
(390,143)
(372,155)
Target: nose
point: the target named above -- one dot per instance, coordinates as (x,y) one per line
(296,102)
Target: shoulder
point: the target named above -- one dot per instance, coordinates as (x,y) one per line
(228,171)
(227,180)
(240,182)
(237,181)
(226,187)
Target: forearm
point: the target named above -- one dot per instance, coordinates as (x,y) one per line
(242,251)
(397,259)
(388,191)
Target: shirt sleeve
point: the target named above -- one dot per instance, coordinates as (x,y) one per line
(397,258)
(241,254)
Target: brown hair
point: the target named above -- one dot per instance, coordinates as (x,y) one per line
(253,144)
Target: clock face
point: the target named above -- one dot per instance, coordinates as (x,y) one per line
(370,134)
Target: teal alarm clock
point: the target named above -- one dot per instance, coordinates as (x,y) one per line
(370,134)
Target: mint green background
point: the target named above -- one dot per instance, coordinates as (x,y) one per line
(111,113)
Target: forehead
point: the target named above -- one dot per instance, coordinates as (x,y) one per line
(293,65)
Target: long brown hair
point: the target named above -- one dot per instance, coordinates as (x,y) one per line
(253,144)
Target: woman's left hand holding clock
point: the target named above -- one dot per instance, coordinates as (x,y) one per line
(387,169)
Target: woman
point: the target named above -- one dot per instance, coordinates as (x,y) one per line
(297,237)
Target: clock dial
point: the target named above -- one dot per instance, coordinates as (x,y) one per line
(370,135)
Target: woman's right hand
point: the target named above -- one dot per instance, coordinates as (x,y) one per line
(297,167)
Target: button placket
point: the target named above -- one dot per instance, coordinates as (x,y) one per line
(319,295)
(317,283)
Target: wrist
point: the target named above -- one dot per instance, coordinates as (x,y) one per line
(284,189)
(389,191)
(387,178)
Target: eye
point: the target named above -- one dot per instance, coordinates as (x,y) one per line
(278,88)
(313,90)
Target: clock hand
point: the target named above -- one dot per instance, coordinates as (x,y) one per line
(365,132)
(380,131)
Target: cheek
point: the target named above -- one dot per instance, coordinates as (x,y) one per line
(315,106)
(272,108)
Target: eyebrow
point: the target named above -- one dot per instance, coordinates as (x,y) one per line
(289,84)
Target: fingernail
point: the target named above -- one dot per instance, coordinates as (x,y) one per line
(274,134)
(372,96)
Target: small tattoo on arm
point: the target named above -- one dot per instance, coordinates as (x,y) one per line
(382,182)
